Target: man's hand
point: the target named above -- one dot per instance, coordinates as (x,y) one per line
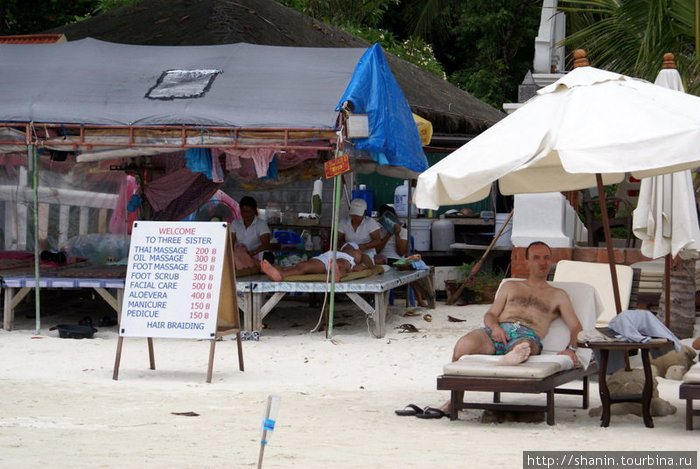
(498,334)
(571,354)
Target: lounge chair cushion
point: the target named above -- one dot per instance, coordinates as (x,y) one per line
(598,275)
(693,375)
(587,306)
(539,366)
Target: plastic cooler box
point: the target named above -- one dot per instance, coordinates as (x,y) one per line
(286,237)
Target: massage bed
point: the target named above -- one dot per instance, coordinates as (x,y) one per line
(256,306)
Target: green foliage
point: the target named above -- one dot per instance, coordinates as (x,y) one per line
(493,47)
(414,50)
(362,18)
(631,36)
(104,6)
(485,48)
(337,12)
(19,17)
(481,280)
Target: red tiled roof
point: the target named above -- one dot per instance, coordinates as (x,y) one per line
(33,39)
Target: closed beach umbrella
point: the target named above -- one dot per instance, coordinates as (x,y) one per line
(586,129)
(666,218)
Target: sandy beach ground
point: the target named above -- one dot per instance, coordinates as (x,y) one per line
(61,408)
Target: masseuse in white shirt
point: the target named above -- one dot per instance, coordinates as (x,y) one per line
(359,229)
(250,231)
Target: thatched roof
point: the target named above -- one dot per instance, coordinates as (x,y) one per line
(204,22)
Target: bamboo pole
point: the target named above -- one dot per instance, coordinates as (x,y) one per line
(477,266)
(33,157)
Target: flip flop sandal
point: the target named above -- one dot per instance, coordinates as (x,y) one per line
(428,317)
(410,409)
(431,413)
(407,328)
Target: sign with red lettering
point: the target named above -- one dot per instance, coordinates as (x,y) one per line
(173,279)
(337,166)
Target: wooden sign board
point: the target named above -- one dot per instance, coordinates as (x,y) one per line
(180,283)
(337,166)
(174,279)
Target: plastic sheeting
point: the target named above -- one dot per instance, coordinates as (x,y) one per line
(393,136)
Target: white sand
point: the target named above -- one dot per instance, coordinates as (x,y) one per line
(61,408)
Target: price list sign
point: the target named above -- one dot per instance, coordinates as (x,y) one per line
(173,279)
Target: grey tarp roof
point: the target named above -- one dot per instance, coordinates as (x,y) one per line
(187,22)
(100,83)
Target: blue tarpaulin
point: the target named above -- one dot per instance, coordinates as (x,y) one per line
(393,135)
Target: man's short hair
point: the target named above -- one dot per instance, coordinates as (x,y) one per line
(536,243)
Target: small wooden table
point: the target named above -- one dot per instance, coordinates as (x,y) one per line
(645,398)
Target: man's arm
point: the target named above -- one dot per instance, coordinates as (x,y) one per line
(571,320)
(492,314)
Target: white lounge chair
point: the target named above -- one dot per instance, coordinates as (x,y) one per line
(539,374)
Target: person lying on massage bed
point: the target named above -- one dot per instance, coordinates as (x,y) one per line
(521,315)
(349,259)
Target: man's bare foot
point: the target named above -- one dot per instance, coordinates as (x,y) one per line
(517,354)
(269,270)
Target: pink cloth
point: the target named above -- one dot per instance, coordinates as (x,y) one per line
(261,158)
(122,220)
(295,156)
(162,191)
(224,198)
(237,159)
(217,172)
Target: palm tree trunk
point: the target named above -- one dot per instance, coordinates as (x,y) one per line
(682,298)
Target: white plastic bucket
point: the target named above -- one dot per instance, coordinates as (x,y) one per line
(420,230)
(401,199)
(504,239)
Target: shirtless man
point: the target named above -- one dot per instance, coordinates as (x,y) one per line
(349,259)
(520,316)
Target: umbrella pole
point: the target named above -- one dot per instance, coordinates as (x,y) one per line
(667,287)
(608,241)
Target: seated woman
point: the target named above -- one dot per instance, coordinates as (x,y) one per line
(251,235)
(349,259)
(359,229)
(394,246)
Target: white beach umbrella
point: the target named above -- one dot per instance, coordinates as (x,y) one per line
(666,218)
(586,129)
(589,122)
